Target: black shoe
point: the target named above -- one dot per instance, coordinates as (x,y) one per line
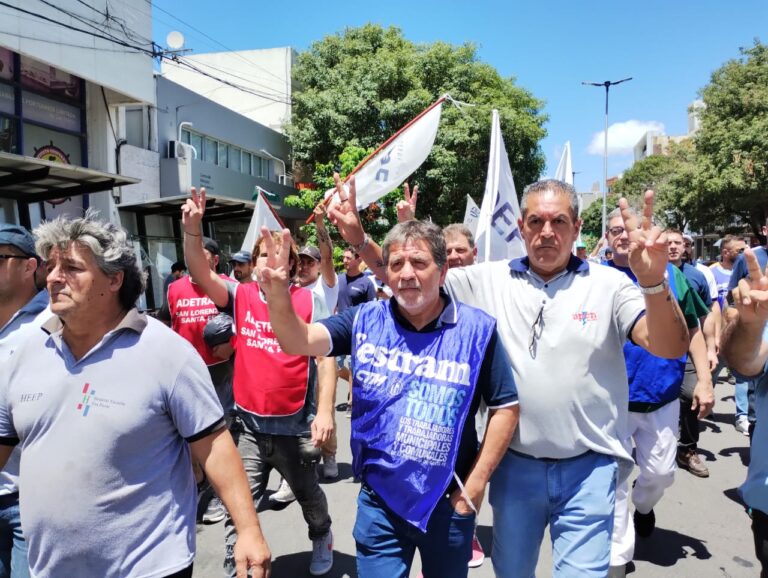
(644,523)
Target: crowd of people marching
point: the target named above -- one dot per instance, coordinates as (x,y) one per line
(545,380)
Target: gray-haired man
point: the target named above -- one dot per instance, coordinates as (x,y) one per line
(114,406)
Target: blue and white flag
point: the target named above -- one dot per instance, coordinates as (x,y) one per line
(498,235)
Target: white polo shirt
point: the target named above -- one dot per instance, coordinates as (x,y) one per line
(106,483)
(572,384)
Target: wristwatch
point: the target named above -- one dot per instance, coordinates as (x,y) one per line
(653,290)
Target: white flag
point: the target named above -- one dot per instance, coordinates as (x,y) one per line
(471,215)
(263,216)
(564,170)
(394,161)
(498,236)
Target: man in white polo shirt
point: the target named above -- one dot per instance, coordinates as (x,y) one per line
(563,322)
(109,408)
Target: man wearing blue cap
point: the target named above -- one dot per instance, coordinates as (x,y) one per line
(22,310)
(242,266)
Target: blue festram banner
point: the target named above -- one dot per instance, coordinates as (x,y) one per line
(412,394)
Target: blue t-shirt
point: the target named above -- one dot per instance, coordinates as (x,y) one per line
(740,265)
(354,291)
(496,383)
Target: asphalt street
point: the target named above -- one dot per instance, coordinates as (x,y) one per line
(702,528)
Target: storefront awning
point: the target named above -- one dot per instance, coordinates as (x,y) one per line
(32,180)
(216,207)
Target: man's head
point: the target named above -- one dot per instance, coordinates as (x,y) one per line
(459,245)
(242,266)
(309,265)
(259,257)
(549,225)
(731,247)
(675,247)
(688,248)
(581,250)
(18,263)
(178,269)
(92,267)
(212,253)
(618,238)
(352,262)
(416,262)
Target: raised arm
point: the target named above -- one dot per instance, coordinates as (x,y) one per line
(346,218)
(326,247)
(742,340)
(662,331)
(296,336)
(192,212)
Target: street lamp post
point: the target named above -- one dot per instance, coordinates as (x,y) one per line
(607,84)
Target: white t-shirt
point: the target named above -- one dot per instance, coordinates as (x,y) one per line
(329,295)
(711,283)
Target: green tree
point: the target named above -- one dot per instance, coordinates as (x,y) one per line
(359,87)
(732,143)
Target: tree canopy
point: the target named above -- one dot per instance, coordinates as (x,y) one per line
(732,144)
(359,87)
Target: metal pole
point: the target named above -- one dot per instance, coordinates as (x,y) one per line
(607,84)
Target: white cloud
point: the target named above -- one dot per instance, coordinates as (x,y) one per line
(622,136)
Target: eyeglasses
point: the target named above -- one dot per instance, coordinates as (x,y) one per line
(536,328)
(616,231)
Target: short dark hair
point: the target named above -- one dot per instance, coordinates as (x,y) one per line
(178,266)
(555,186)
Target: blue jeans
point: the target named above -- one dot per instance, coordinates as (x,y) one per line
(741,394)
(13,547)
(574,496)
(386,543)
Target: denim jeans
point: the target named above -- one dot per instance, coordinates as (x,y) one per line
(386,543)
(295,458)
(13,547)
(574,496)
(741,394)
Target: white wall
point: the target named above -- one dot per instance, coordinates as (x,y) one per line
(82,54)
(265,72)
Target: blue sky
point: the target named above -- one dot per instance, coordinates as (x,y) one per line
(670,48)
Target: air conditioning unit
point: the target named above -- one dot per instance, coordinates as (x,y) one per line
(177,150)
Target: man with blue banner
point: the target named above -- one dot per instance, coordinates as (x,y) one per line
(421,363)
(654,388)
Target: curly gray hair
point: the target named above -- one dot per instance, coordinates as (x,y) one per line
(417,231)
(108,243)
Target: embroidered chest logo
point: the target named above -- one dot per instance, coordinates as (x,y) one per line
(90,400)
(584,317)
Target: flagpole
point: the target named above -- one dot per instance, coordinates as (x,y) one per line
(362,163)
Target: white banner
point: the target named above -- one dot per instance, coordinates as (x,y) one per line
(471,215)
(498,236)
(263,216)
(564,170)
(396,159)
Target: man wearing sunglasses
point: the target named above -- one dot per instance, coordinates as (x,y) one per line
(654,413)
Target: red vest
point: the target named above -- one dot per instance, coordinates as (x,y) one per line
(190,310)
(267,382)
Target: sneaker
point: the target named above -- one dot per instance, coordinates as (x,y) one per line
(330,467)
(478,556)
(215,512)
(322,555)
(644,523)
(742,425)
(689,460)
(284,494)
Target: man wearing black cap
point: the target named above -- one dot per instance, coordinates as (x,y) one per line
(188,310)
(242,266)
(23,309)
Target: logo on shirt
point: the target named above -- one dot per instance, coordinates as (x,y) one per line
(90,400)
(85,405)
(585,316)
